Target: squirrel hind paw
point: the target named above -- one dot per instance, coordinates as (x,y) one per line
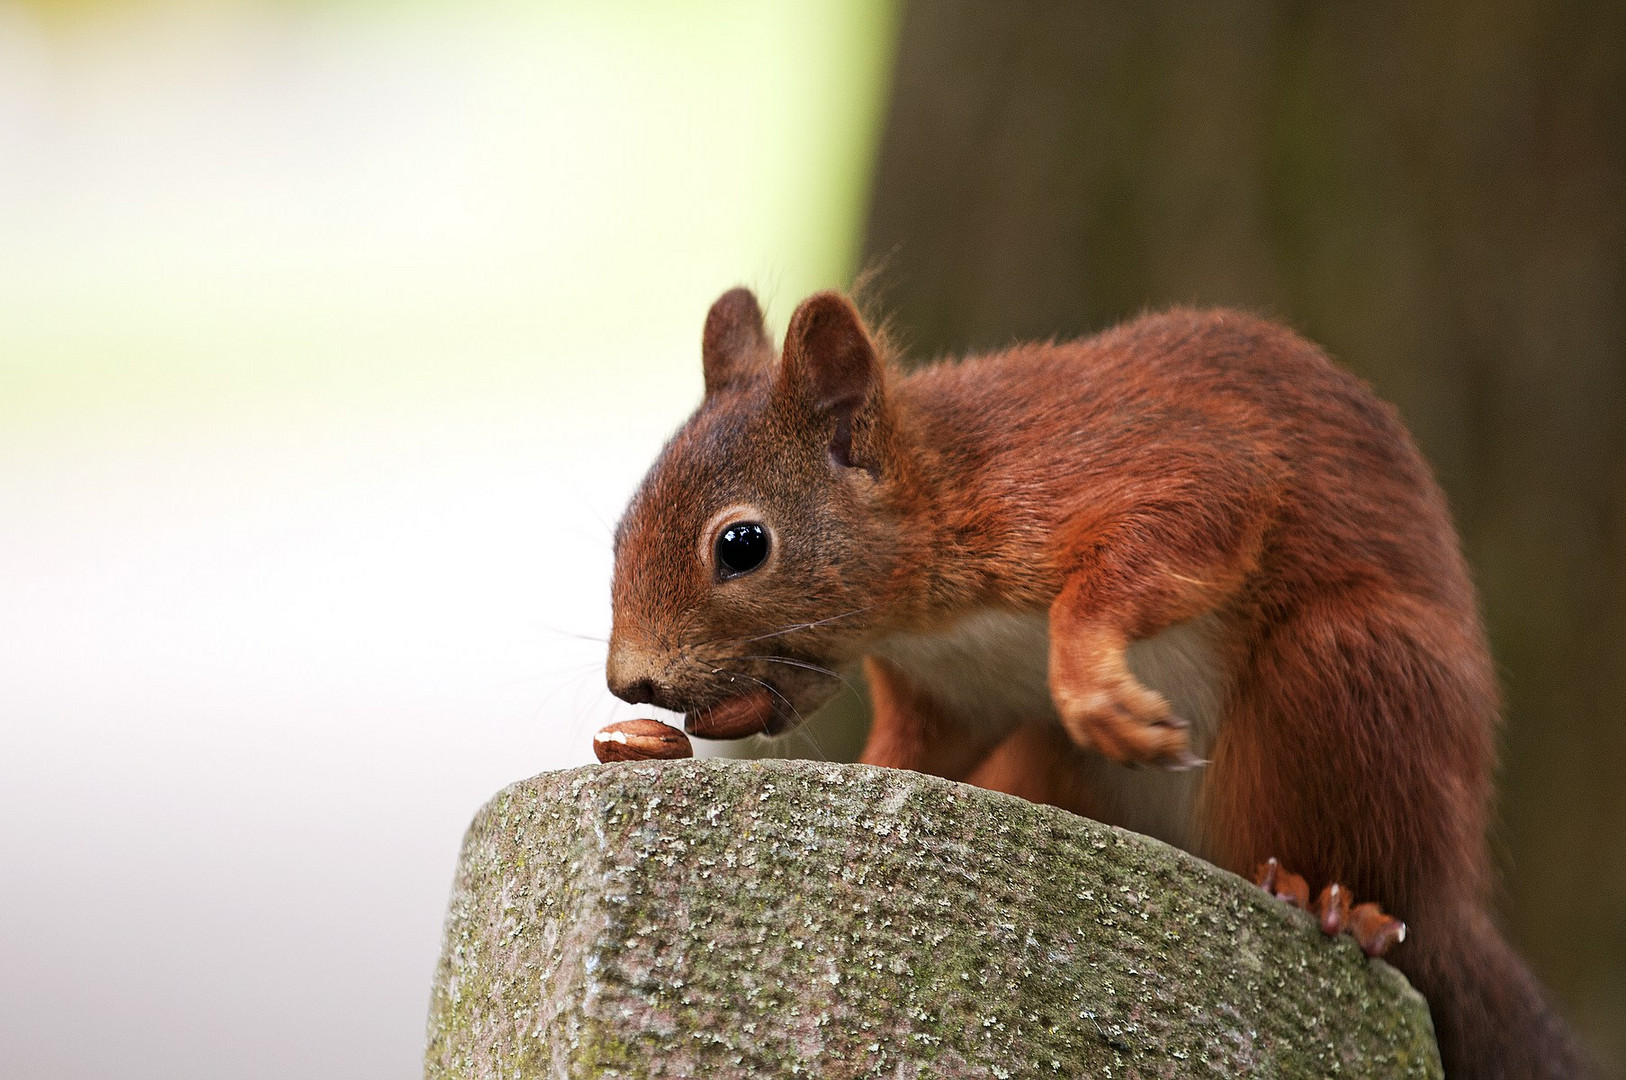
(1373,929)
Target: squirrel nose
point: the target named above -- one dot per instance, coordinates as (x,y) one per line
(641,692)
(646,692)
(631,673)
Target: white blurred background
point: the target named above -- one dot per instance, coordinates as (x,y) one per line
(333,336)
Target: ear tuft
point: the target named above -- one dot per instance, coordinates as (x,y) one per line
(829,353)
(734,346)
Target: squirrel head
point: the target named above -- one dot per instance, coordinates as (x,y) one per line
(757,549)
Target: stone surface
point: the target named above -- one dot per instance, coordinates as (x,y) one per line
(727,919)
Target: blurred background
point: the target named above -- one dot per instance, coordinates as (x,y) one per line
(335,333)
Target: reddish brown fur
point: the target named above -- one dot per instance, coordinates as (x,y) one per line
(1186,464)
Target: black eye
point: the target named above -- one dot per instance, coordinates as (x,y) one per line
(741,548)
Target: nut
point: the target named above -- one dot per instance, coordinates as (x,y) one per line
(748,714)
(641,740)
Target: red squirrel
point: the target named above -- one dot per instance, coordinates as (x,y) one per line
(1190,543)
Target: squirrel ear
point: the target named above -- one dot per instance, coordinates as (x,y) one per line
(734,347)
(828,353)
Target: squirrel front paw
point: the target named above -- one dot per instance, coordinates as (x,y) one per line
(1373,929)
(1104,707)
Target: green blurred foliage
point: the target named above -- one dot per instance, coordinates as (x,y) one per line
(211,204)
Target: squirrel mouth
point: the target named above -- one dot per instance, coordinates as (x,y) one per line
(753,713)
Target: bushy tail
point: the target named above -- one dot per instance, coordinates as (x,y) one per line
(1492,1018)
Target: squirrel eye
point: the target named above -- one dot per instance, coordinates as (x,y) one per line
(740,549)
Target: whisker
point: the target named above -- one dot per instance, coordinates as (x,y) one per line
(793,662)
(587,504)
(805,731)
(791,629)
(766,686)
(570,634)
(810,625)
(572,682)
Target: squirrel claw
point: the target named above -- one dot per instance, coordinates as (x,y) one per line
(1282,883)
(1181,757)
(1375,931)
(1173,721)
(1332,909)
(1184,760)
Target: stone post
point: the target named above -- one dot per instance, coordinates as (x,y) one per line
(730,919)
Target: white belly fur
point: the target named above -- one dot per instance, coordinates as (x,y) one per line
(992,667)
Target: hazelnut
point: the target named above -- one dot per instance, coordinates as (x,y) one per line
(641,740)
(748,714)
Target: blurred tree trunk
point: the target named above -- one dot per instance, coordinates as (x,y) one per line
(1435,193)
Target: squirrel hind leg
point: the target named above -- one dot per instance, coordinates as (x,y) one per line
(911,730)
(1038,762)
